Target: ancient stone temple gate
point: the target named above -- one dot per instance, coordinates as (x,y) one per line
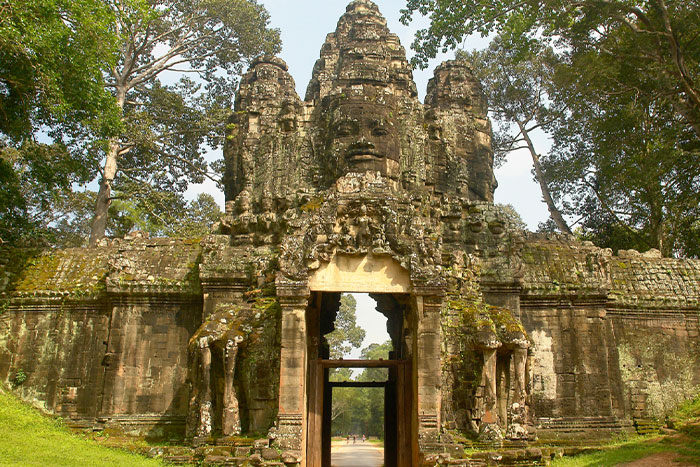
(498,335)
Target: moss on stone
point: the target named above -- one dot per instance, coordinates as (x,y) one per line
(78,271)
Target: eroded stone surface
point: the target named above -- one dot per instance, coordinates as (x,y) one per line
(509,335)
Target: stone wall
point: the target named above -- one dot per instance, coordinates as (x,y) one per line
(615,337)
(101,334)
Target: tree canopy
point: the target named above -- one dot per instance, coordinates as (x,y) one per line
(663,34)
(347,334)
(55,112)
(133,92)
(623,80)
(518,89)
(168,126)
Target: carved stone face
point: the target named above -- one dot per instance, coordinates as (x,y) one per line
(364,137)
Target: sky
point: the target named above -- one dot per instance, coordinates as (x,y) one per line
(304,25)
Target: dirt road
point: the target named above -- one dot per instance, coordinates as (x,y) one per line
(357,455)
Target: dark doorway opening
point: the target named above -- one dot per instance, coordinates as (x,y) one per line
(397,385)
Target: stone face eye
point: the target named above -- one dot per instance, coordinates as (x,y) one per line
(345,129)
(380,130)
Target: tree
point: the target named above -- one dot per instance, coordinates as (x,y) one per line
(52,54)
(624,156)
(664,33)
(38,206)
(627,164)
(374,399)
(512,216)
(518,90)
(347,334)
(167,127)
(165,214)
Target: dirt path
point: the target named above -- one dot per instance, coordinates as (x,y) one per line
(662,459)
(357,455)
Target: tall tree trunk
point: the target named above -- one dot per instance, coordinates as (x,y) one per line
(553,211)
(109,172)
(104,195)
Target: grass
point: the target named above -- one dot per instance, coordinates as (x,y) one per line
(685,443)
(29,438)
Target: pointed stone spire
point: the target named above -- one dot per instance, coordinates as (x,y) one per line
(361,52)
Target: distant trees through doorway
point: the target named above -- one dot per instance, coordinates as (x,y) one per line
(358,410)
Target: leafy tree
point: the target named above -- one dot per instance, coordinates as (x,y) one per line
(347,334)
(629,168)
(37,203)
(664,34)
(167,127)
(165,214)
(52,54)
(512,216)
(625,148)
(374,424)
(518,89)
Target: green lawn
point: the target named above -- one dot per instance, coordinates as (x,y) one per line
(28,438)
(686,443)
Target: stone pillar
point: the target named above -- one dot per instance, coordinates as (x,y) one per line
(427,364)
(503,385)
(489,429)
(518,428)
(231,419)
(520,382)
(290,431)
(205,405)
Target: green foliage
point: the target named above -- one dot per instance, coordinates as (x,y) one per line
(623,451)
(38,205)
(627,82)
(687,416)
(634,181)
(168,127)
(663,36)
(518,88)
(361,410)
(30,439)
(512,216)
(347,335)
(93,80)
(19,378)
(164,214)
(52,56)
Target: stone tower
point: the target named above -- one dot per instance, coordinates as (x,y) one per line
(363,188)
(360,114)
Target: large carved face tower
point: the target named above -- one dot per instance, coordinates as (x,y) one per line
(360,114)
(360,187)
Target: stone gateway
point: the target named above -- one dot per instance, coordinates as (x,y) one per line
(499,335)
